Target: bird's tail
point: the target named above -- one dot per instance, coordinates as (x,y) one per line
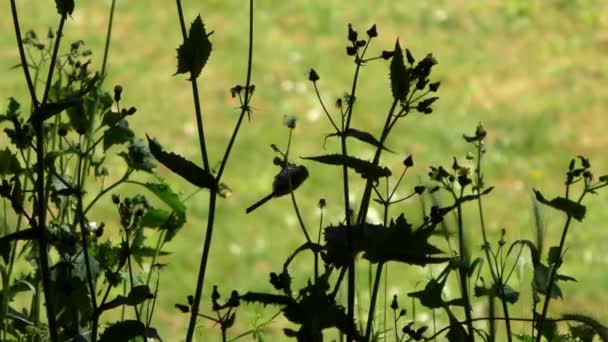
(259,203)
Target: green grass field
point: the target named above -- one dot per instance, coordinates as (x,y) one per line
(534,73)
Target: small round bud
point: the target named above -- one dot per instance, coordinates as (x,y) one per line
(322,203)
(289,121)
(115,199)
(313,76)
(131,111)
(117,92)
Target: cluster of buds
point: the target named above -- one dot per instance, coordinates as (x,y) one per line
(355,43)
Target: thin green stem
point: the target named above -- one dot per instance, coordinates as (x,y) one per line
(26,70)
(463,274)
(372,306)
(106,49)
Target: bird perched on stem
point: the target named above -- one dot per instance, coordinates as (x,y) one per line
(288,179)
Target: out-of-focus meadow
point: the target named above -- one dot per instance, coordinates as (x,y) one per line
(534,72)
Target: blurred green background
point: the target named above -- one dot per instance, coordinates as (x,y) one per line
(534,72)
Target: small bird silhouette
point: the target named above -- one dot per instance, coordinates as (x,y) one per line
(288,179)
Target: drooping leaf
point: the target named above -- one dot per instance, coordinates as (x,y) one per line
(65,7)
(192,55)
(182,167)
(361,136)
(509,294)
(399,74)
(9,164)
(554,257)
(154,217)
(533,250)
(365,168)
(569,207)
(117,134)
(50,109)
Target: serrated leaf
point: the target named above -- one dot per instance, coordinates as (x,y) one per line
(65,7)
(569,207)
(117,134)
(138,295)
(361,136)
(399,74)
(193,54)
(182,167)
(9,164)
(365,168)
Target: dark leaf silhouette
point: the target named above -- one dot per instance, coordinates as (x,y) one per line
(183,167)
(361,136)
(136,296)
(569,207)
(9,164)
(65,7)
(430,297)
(192,55)
(399,75)
(365,168)
(117,134)
(50,109)
(380,244)
(127,330)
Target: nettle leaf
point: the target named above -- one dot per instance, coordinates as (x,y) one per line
(399,74)
(399,243)
(569,207)
(136,296)
(361,136)
(9,164)
(65,7)
(336,239)
(365,168)
(183,167)
(193,54)
(117,134)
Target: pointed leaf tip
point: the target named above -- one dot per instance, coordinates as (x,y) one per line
(399,74)
(193,54)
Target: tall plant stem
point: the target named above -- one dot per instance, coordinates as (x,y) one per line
(26,70)
(486,247)
(553,276)
(372,306)
(40,203)
(213,193)
(463,275)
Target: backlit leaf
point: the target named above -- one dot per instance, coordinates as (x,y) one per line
(183,167)
(569,207)
(192,55)
(399,75)
(365,168)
